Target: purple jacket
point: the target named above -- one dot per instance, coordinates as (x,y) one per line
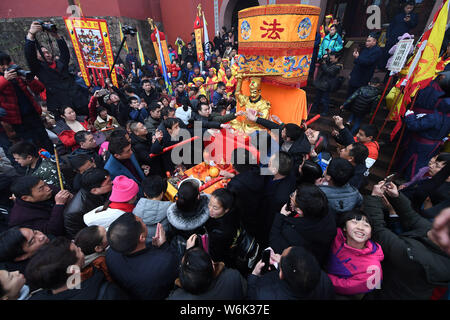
(42,216)
(420,175)
(354,271)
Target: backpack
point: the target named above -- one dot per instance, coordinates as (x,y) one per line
(245,251)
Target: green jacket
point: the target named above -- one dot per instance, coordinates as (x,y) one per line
(217,117)
(413,265)
(46,170)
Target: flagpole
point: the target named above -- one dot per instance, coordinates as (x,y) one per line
(389,114)
(399,141)
(117,56)
(381,99)
(161,55)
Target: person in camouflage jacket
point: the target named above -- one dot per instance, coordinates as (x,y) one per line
(27,155)
(46,170)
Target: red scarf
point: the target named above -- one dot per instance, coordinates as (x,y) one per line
(126,207)
(53,65)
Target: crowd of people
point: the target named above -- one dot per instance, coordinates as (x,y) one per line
(84,178)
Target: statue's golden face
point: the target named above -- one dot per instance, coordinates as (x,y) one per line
(255,93)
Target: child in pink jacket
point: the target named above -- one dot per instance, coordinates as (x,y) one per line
(354,265)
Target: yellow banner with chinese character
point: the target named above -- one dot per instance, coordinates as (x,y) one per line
(92,45)
(278,29)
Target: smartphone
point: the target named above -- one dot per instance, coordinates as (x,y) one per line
(266,260)
(389,179)
(198,241)
(288,206)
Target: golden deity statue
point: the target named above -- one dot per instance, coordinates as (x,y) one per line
(254,102)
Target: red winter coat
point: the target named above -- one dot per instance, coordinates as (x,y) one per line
(67,135)
(9,102)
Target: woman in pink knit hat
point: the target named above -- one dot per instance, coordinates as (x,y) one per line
(122,199)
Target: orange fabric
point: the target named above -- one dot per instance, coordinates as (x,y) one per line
(286,102)
(278,30)
(211,83)
(230,84)
(100,264)
(373,148)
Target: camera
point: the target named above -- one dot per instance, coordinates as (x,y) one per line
(48,26)
(20,72)
(129,30)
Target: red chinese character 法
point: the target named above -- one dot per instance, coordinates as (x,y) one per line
(273,32)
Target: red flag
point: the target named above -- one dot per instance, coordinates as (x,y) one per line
(424,69)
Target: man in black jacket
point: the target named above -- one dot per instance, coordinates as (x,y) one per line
(329,70)
(357,154)
(277,188)
(148,92)
(147,272)
(96,187)
(204,115)
(203,279)
(80,163)
(144,144)
(248,189)
(88,146)
(362,102)
(414,264)
(154,118)
(298,277)
(117,105)
(54,74)
(292,138)
(188,54)
(307,223)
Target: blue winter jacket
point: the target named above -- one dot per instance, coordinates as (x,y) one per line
(139,114)
(398,27)
(115,168)
(433,126)
(334,44)
(365,66)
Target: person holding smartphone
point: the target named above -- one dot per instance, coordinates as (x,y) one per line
(297,276)
(415,251)
(305,220)
(402,23)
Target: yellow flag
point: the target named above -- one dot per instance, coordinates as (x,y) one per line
(141,53)
(426,68)
(121,38)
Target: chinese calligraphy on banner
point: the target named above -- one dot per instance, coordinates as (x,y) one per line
(400,55)
(279,40)
(92,45)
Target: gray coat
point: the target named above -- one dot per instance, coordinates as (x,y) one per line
(151,124)
(342,199)
(152,212)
